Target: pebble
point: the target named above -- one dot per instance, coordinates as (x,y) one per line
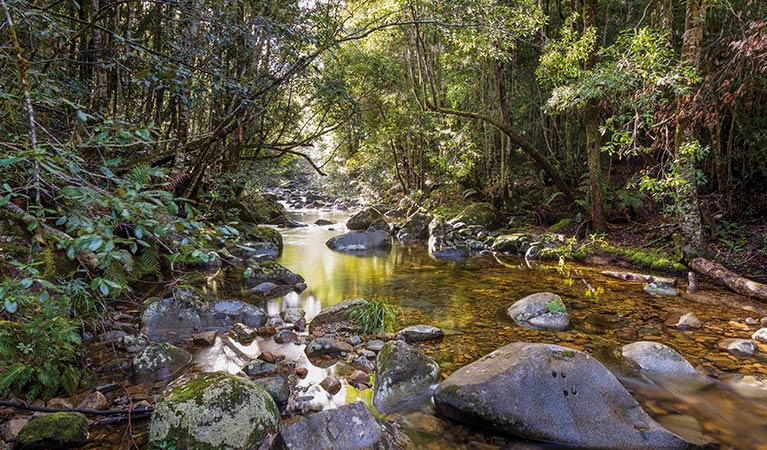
(205,338)
(375,345)
(689,321)
(302,372)
(331,384)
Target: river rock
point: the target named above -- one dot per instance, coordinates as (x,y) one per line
(95,400)
(415,228)
(285,336)
(379,225)
(689,321)
(172,319)
(511,243)
(56,430)
(364,218)
(255,235)
(277,387)
(360,242)
(213,411)
(737,346)
(264,288)
(205,338)
(160,361)
(225,314)
(340,312)
(259,368)
(420,333)
(658,361)
(292,315)
(331,384)
(375,345)
(542,311)
(404,376)
(551,393)
(281,278)
(657,288)
(350,427)
(243,333)
(483,214)
(327,346)
(760,335)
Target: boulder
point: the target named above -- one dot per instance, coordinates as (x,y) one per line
(551,393)
(56,430)
(277,387)
(281,280)
(542,311)
(404,377)
(483,214)
(213,411)
(160,361)
(659,362)
(340,312)
(226,313)
(350,427)
(364,218)
(511,243)
(415,228)
(360,242)
(380,225)
(420,333)
(327,346)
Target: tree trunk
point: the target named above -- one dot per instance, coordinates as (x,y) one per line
(730,279)
(183,95)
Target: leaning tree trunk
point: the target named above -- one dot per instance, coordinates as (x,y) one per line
(730,279)
(685,142)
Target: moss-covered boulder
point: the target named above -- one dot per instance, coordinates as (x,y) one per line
(160,361)
(415,228)
(403,378)
(511,243)
(213,411)
(57,430)
(363,219)
(483,214)
(543,311)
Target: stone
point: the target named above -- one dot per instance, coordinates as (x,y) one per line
(271,272)
(327,346)
(364,218)
(259,368)
(511,243)
(657,288)
(737,346)
(420,333)
(349,427)
(331,384)
(11,428)
(415,228)
(360,242)
(659,362)
(375,345)
(95,400)
(379,225)
(542,311)
(285,336)
(160,361)
(277,387)
(213,411)
(689,321)
(204,338)
(173,319)
(292,315)
(363,364)
(264,288)
(225,313)
(550,393)
(56,430)
(404,376)
(301,372)
(243,333)
(132,344)
(760,335)
(353,340)
(358,377)
(340,312)
(270,357)
(323,222)
(483,214)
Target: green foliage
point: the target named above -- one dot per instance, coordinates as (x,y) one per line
(376,316)
(555,306)
(648,260)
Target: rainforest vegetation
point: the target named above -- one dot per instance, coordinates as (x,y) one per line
(137,136)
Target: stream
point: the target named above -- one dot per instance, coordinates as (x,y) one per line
(468,301)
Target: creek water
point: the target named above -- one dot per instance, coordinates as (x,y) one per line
(468,301)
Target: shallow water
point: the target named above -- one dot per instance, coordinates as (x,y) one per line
(468,300)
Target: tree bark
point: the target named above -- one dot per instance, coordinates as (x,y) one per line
(732,280)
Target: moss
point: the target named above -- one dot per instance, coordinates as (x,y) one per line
(648,260)
(54,430)
(559,226)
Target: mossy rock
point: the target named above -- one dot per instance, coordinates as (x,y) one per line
(263,234)
(160,361)
(512,243)
(57,430)
(483,214)
(364,219)
(213,411)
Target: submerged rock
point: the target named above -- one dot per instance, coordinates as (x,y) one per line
(403,377)
(737,346)
(689,321)
(552,393)
(160,361)
(657,288)
(364,218)
(420,333)
(542,311)
(350,427)
(56,430)
(660,362)
(360,242)
(213,411)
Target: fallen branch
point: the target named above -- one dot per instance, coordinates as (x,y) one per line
(93,412)
(115,419)
(639,277)
(732,280)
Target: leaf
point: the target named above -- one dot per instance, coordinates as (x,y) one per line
(5,200)
(10,305)
(95,243)
(138,231)
(10,161)
(71,252)
(172,208)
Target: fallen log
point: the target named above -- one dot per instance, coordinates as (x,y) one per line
(730,279)
(639,277)
(95,412)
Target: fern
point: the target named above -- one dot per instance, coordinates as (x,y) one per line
(148,262)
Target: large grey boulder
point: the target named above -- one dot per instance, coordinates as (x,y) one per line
(364,218)
(350,427)
(542,311)
(340,312)
(404,376)
(360,242)
(552,393)
(210,411)
(160,361)
(415,228)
